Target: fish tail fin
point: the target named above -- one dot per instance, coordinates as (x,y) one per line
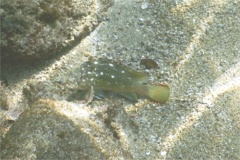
(159,93)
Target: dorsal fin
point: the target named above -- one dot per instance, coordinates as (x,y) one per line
(139,76)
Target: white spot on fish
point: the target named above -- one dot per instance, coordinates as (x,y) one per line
(112,76)
(95,62)
(91,79)
(89,72)
(123,71)
(101,73)
(111,65)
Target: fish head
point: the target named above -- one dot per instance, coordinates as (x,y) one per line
(86,76)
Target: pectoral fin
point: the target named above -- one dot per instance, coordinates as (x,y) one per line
(89,95)
(76,95)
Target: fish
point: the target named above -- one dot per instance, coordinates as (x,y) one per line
(148,63)
(106,75)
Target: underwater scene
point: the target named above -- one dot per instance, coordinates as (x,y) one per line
(120,79)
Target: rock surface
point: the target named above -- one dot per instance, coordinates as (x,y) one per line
(196,46)
(59,130)
(39,29)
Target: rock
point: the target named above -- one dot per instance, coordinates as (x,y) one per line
(41,28)
(59,130)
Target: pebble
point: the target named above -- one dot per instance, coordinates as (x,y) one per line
(148,153)
(86,54)
(163,153)
(144,5)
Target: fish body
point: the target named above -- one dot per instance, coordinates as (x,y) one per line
(105,75)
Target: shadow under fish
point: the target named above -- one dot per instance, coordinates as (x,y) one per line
(103,75)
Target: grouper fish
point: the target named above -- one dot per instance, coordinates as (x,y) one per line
(104,75)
